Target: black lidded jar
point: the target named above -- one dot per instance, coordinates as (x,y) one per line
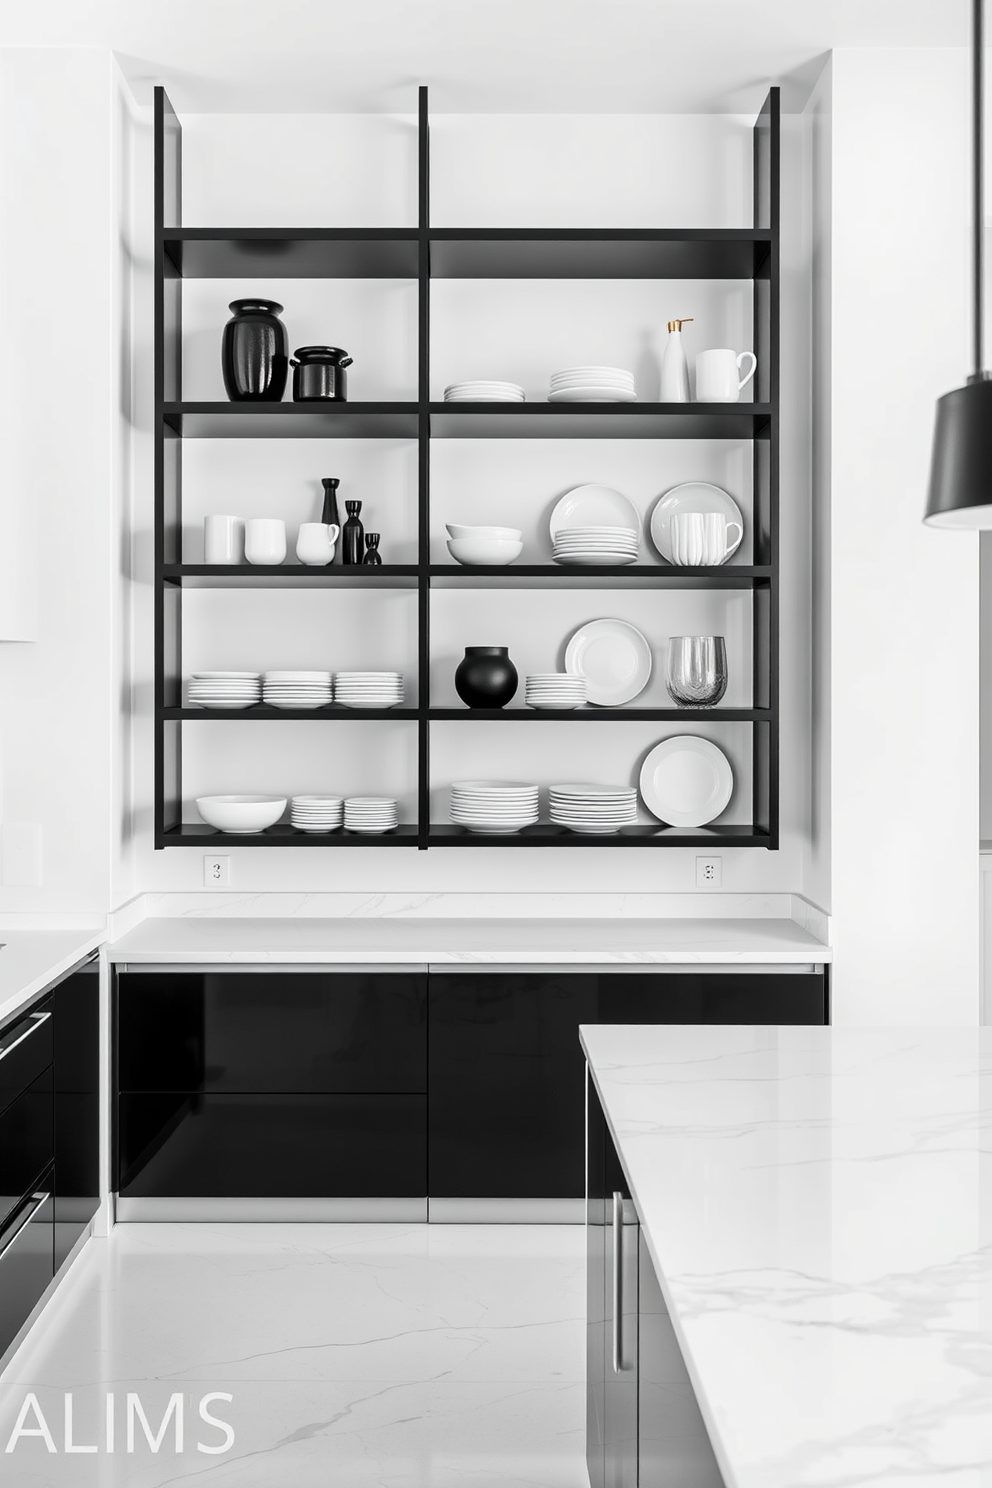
(319,374)
(254,354)
(486,677)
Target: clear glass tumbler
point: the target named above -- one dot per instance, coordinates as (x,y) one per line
(697,670)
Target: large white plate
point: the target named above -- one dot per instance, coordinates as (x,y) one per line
(614,658)
(692,496)
(594,506)
(593,560)
(592,395)
(686,781)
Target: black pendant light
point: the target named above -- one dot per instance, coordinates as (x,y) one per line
(961,470)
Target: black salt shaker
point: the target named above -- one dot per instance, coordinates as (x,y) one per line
(371,548)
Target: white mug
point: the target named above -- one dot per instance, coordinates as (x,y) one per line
(716,375)
(265,540)
(223,540)
(315,543)
(703,539)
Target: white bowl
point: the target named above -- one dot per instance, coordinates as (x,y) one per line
(241,813)
(498,534)
(496,551)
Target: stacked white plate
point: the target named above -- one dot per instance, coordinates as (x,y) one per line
(369,814)
(596,545)
(494,806)
(593,385)
(232,690)
(483,392)
(297,689)
(317,813)
(555,690)
(593,808)
(368,689)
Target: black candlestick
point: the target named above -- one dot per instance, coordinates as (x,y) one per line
(354,532)
(371,548)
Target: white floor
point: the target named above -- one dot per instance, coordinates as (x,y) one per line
(355,1354)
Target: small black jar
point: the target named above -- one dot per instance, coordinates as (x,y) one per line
(486,677)
(254,353)
(319,375)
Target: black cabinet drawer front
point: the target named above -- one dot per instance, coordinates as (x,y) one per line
(272,1032)
(26,1048)
(27,1259)
(272,1146)
(77,1107)
(712,997)
(27,1142)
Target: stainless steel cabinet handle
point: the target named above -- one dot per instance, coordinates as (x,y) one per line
(36,1021)
(617,1282)
(20,1224)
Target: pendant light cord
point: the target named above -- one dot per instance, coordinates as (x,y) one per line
(978,182)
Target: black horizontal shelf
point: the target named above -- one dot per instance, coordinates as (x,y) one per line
(542,420)
(595,253)
(198,834)
(546,835)
(290,576)
(332,711)
(292,420)
(288,253)
(587,714)
(729,576)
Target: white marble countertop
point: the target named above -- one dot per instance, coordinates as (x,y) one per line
(30,959)
(818,1204)
(501,941)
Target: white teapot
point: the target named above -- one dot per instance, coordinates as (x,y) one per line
(315,543)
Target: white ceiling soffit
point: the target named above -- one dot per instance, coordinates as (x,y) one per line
(478,56)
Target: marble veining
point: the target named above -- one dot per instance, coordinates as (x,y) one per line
(818,1204)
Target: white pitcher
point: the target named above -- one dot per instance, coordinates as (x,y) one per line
(315,543)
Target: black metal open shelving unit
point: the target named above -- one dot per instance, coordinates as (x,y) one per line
(425,254)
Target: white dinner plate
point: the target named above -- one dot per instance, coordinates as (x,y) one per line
(594,506)
(594,374)
(226,676)
(593,395)
(593,560)
(691,496)
(686,781)
(231,704)
(614,658)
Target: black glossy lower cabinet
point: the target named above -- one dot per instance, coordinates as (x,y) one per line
(506,1095)
(272,1146)
(643,1425)
(27,1256)
(76,1003)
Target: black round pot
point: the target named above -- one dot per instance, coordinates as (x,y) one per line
(254,353)
(486,677)
(319,375)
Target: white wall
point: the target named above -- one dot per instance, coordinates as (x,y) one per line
(61,460)
(611,171)
(897,621)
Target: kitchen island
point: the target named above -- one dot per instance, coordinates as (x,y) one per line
(815,1224)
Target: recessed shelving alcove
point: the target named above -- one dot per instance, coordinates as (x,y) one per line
(431,731)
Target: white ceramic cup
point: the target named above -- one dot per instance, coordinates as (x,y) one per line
(717,379)
(703,539)
(315,543)
(265,540)
(223,540)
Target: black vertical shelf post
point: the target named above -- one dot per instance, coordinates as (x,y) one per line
(423,473)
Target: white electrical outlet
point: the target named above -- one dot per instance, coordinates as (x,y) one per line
(216,873)
(709,873)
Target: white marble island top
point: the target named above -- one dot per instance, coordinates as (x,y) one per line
(818,1206)
(502,941)
(31,959)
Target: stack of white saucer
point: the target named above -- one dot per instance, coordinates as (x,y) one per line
(370,814)
(368,689)
(555,690)
(593,808)
(317,813)
(483,392)
(494,806)
(233,690)
(297,689)
(596,545)
(592,385)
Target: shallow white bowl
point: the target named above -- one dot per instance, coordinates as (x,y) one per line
(498,534)
(476,550)
(241,813)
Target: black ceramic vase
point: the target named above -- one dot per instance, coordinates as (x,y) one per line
(486,677)
(352,534)
(255,352)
